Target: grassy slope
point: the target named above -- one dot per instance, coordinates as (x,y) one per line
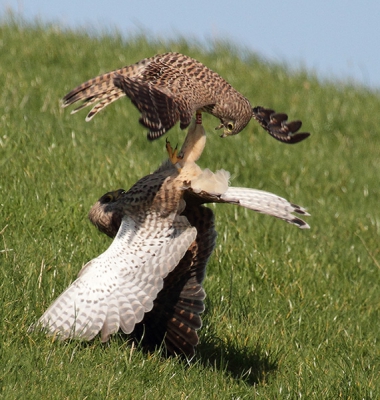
(289,313)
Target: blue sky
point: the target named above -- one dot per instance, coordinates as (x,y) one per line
(338,39)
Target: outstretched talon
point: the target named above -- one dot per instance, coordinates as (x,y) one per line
(174,157)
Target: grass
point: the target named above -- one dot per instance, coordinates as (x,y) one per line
(290,313)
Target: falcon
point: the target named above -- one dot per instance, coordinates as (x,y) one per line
(149,281)
(169,88)
(175,317)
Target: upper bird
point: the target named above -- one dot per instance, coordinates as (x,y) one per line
(171,87)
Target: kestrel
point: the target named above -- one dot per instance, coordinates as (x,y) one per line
(175,316)
(149,281)
(171,87)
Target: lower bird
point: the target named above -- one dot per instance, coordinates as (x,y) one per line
(170,88)
(149,281)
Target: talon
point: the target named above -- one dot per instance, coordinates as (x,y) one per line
(174,157)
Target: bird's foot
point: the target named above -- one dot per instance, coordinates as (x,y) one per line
(174,157)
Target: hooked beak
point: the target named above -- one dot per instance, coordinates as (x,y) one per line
(226,131)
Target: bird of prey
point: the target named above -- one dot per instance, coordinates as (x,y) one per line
(175,316)
(149,281)
(171,87)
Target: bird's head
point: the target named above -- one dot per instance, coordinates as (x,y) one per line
(232,126)
(106,214)
(234,114)
(111,197)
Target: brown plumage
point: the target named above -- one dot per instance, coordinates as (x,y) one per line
(148,283)
(175,316)
(170,88)
(115,289)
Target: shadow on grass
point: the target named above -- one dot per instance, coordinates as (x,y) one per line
(251,365)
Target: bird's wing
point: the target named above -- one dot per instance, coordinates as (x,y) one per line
(160,109)
(275,124)
(116,289)
(101,90)
(165,88)
(175,317)
(256,200)
(170,89)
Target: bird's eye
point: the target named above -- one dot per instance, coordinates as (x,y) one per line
(230,126)
(108,198)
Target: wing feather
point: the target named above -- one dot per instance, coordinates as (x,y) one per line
(266,203)
(117,288)
(253,199)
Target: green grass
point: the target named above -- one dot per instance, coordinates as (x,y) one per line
(290,313)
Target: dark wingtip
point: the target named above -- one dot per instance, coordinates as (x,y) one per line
(300,223)
(154,135)
(68,99)
(275,124)
(298,137)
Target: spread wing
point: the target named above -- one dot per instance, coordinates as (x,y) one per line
(101,91)
(161,108)
(170,87)
(117,288)
(175,317)
(165,88)
(256,200)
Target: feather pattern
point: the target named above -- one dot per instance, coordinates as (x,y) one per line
(170,88)
(149,282)
(117,288)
